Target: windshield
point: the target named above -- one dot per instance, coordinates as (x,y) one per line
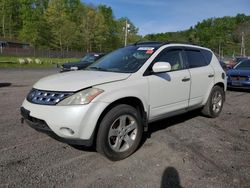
(125,60)
(243,65)
(90,58)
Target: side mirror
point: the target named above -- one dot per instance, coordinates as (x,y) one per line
(160,67)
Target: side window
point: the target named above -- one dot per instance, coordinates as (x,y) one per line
(195,59)
(174,57)
(208,55)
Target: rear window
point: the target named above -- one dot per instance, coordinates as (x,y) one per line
(195,58)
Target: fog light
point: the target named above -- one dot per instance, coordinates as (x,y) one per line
(67,131)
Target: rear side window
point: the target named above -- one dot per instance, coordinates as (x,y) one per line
(195,59)
(208,55)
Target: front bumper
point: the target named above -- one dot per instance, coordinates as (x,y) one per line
(41,126)
(54,120)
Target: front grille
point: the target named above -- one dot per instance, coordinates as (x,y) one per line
(239,78)
(46,97)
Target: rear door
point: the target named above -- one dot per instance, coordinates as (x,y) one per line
(202,75)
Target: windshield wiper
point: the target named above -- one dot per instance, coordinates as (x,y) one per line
(97,68)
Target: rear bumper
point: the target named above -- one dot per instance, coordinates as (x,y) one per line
(41,126)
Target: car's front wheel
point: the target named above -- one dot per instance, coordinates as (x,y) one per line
(120,132)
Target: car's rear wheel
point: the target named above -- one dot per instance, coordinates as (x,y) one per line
(214,103)
(120,132)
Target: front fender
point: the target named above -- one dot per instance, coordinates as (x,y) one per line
(137,88)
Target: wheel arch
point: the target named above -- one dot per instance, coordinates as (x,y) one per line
(132,101)
(220,84)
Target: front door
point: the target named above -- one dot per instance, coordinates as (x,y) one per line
(169,91)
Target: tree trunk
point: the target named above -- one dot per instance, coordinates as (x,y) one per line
(60,43)
(10,26)
(3,25)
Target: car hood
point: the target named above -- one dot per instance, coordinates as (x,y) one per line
(236,72)
(77,80)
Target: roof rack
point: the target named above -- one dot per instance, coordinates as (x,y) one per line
(147,43)
(162,43)
(181,42)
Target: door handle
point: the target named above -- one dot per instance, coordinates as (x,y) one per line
(211,75)
(185,79)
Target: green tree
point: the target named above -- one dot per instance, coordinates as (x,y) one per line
(219,34)
(62,28)
(110,24)
(93,30)
(9,12)
(30,16)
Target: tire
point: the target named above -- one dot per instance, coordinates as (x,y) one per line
(214,103)
(120,132)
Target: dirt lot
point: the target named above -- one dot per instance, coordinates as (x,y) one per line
(187,150)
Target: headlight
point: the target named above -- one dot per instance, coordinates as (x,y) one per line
(81,97)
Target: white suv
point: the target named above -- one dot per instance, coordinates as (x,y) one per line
(111,102)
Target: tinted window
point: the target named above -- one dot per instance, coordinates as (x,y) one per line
(239,59)
(195,58)
(174,57)
(243,65)
(208,55)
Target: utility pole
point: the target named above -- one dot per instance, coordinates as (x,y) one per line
(127,26)
(242,48)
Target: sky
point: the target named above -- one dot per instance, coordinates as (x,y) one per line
(157,16)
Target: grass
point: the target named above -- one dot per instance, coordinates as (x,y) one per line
(14,62)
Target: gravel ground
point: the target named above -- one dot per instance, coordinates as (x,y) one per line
(183,151)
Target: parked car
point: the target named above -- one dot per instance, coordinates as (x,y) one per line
(223,65)
(235,61)
(87,60)
(239,76)
(239,59)
(112,102)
